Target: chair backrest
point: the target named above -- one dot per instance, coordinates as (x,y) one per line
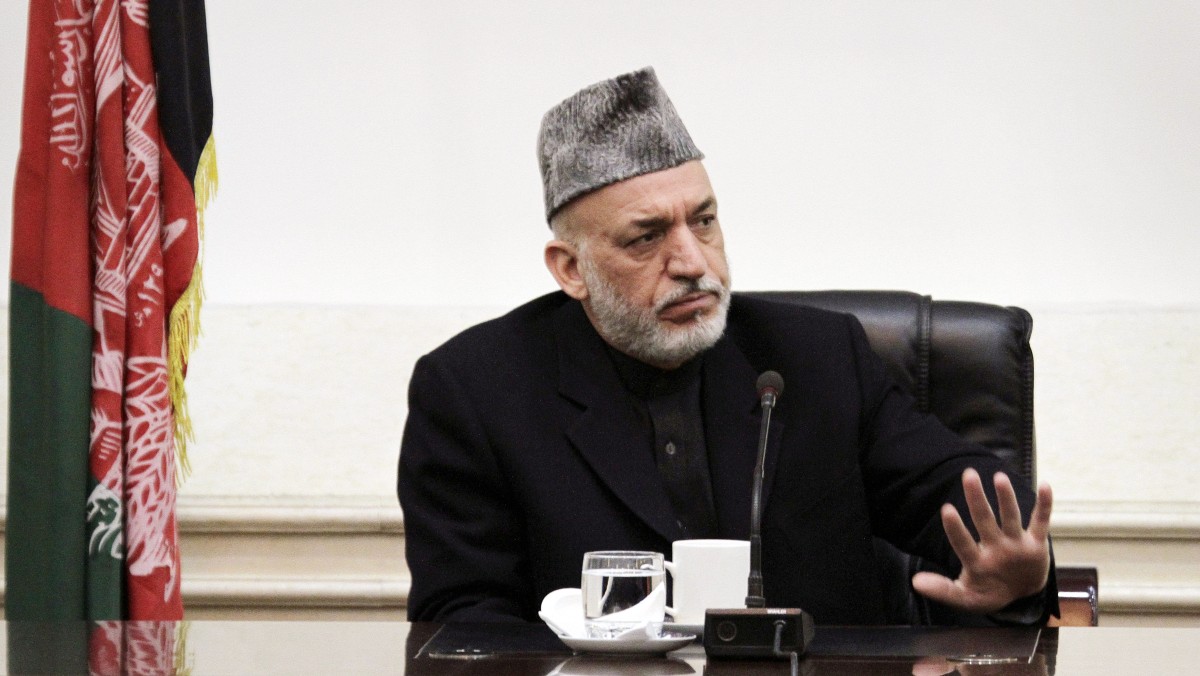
(970,365)
(967,363)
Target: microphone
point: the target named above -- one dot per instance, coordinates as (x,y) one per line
(757,631)
(770,388)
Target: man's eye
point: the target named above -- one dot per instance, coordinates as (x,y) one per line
(707,221)
(644,239)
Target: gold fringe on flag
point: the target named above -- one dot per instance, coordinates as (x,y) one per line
(182,660)
(184,328)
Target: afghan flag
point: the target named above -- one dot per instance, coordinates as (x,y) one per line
(115,169)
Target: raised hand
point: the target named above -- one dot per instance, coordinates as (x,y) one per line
(1007,563)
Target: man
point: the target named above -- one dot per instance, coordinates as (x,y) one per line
(621,413)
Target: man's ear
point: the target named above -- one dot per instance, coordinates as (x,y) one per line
(562,260)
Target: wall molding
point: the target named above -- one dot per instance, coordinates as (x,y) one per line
(1122,520)
(291,515)
(290,592)
(1149,599)
(357,514)
(258,556)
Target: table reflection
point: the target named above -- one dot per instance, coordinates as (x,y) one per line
(601,665)
(101,648)
(940,666)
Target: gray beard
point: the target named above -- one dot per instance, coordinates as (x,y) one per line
(640,334)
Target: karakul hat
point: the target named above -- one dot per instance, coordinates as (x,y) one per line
(608,132)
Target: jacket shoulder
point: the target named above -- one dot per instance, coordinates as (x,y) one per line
(527,328)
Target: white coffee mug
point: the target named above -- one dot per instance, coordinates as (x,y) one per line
(707,574)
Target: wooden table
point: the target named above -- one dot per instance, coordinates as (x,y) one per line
(396,648)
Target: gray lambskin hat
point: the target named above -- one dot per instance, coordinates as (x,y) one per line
(608,132)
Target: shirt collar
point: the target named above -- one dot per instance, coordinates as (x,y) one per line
(647,382)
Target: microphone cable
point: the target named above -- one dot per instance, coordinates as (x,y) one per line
(780,625)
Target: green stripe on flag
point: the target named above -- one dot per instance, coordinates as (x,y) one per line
(50,360)
(106,559)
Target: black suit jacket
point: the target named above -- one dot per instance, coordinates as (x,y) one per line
(522,451)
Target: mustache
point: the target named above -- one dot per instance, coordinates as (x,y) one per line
(704,284)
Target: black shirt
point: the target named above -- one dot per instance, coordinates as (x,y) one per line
(669,408)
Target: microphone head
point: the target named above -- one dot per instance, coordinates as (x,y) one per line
(769,381)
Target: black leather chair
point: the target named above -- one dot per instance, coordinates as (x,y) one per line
(969,364)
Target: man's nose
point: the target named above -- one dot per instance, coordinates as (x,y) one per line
(685,257)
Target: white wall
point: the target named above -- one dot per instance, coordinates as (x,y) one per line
(381,151)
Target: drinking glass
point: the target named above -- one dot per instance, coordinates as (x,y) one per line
(622,591)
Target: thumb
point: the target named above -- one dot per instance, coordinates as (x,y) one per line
(936,587)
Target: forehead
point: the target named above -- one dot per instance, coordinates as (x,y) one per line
(670,193)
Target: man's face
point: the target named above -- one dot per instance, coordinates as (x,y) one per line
(650,265)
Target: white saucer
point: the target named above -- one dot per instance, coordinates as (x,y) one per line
(645,646)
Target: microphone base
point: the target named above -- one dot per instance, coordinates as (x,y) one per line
(749,633)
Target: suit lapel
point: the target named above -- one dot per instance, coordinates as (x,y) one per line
(607,432)
(731,418)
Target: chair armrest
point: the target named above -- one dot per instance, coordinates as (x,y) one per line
(1078,597)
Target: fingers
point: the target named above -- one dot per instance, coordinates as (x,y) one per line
(1006,499)
(1039,521)
(961,540)
(977,505)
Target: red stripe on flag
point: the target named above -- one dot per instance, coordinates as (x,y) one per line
(52,192)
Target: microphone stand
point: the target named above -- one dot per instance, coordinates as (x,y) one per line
(754,585)
(757,631)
